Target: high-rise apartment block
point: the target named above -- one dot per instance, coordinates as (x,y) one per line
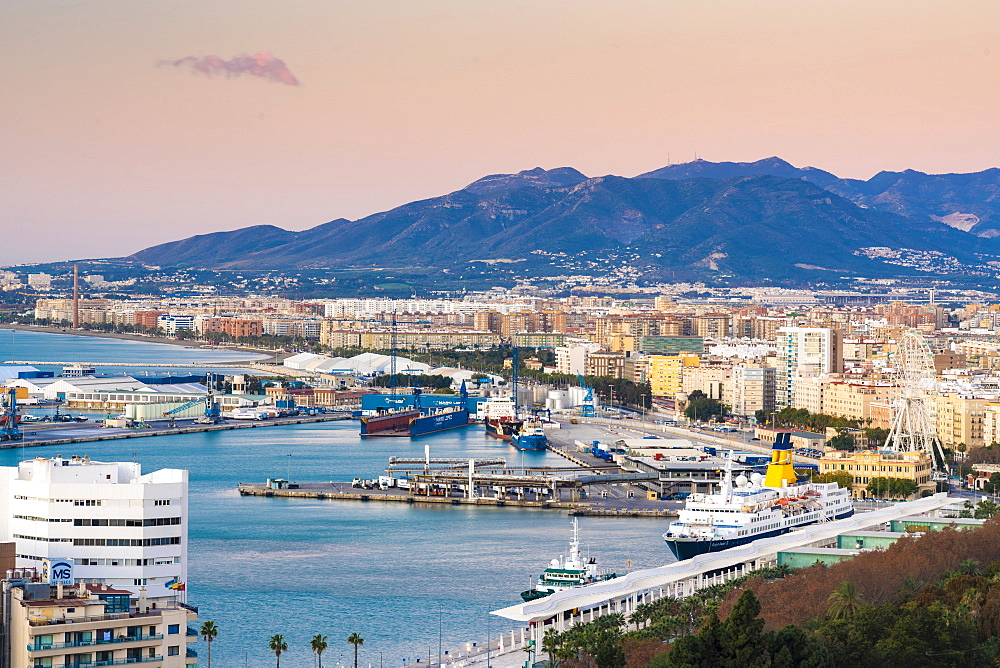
(753,390)
(804,351)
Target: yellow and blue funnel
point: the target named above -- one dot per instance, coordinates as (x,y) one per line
(780,472)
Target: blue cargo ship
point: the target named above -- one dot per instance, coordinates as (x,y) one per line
(448,418)
(530,437)
(410,418)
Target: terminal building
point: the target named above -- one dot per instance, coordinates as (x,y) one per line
(118,526)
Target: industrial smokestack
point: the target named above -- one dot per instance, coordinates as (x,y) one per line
(76,296)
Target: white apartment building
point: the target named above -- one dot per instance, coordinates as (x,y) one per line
(120,527)
(171,324)
(809,392)
(572,358)
(40,281)
(753,390)
(804,351)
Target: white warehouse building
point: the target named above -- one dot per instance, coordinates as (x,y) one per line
(120,527)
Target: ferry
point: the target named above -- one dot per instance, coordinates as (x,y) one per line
(745,510)
(568,571)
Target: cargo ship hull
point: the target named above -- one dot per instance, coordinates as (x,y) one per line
(529,442)
(502,428)
(429,424)
(389,424)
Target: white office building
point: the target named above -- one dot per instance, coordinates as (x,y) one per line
(120,527)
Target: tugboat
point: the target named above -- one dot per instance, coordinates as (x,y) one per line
(746,510)
(568,572)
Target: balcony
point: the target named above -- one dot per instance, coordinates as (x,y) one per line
(106,618)
(112,662)
(191,653)
(39,647)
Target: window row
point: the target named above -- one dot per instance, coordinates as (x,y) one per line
(126,542)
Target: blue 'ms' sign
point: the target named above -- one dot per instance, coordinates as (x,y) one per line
(60,571)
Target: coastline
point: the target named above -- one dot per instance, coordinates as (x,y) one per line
(49,329)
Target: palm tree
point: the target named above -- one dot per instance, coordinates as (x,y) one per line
(318,644)
(550,645)
(277,645)
(844,601)
(209,631)
(969,567)
(355,639)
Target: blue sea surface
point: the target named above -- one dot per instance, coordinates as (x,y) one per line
(392,572)
(49,347)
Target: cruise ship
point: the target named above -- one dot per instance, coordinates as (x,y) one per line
(745,510)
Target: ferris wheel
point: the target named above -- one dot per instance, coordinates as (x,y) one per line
(912,429)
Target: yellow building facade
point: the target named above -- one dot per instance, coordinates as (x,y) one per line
(666,373)
(864,465)
(853,400)
(959,420)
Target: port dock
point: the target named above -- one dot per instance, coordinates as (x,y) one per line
(39,434)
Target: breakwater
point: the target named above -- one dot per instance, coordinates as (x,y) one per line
(33,439)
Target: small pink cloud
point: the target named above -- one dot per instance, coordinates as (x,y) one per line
(261,64)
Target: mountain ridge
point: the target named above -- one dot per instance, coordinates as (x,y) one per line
(713,219)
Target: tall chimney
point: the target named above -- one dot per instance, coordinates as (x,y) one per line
(76,296)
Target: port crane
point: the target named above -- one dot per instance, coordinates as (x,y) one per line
(191,404)
(213,412)
(9,419)
(587,408)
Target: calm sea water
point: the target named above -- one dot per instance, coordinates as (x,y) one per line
(45,346)
(391,572)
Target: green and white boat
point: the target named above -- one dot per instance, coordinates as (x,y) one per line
(568,571)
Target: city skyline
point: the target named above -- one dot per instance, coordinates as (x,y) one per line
(131,126)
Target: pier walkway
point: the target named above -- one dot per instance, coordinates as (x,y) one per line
(40,434)
(567,608)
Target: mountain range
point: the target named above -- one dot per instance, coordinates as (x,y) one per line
(742,221)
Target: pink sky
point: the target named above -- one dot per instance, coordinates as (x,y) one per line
(104,150)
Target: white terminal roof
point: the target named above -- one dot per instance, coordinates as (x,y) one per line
(365,364)
(594,595)
(10,371)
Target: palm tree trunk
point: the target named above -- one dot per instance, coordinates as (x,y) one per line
(355,656)
(209,654)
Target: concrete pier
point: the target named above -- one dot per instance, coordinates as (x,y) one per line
(36,435)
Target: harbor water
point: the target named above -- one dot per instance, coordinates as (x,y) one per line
(404,577)
(45,346)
